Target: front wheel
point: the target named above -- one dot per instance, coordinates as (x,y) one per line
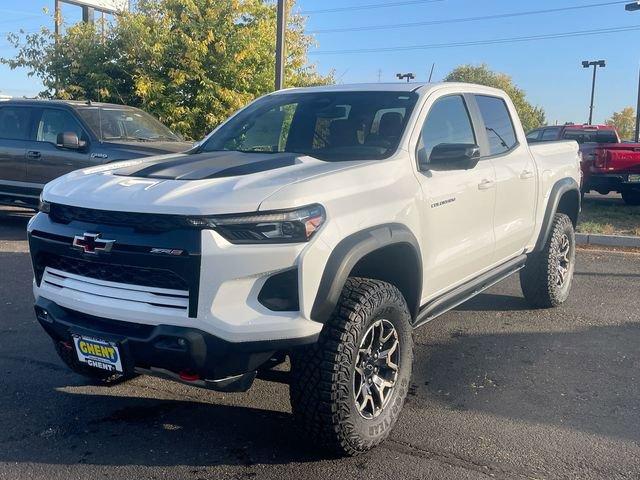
(547,276)
(348,389)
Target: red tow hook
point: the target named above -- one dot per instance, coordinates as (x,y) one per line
(67,345)
(189,377)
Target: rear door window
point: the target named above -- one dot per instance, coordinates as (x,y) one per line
(15,123)
(500,131)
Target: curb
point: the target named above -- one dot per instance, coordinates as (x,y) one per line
(607,240)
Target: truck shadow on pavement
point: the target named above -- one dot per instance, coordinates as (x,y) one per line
(493,302)
(585,380)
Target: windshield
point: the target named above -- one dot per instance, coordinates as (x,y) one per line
(333,126)
(594,136)
(127,124)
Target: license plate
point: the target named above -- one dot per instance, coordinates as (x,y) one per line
(634,178)
(98,353)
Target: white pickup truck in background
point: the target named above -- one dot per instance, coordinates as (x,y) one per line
(320,225)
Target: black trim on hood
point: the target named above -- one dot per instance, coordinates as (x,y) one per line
(200,166)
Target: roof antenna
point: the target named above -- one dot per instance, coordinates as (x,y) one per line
(433,65)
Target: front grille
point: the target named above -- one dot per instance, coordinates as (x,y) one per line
(150,277)
(142,222)
(159,300)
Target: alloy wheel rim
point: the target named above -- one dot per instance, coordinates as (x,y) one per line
(376,368)
(563,260)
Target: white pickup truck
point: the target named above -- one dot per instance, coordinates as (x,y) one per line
(320,225)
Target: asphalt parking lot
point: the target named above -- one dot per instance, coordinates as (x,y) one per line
(498,391)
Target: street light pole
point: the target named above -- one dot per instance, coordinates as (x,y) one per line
(593,92)
(281,21)
(634,7)
(595,65)
(638,112)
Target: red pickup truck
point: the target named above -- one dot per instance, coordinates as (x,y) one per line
(608,164)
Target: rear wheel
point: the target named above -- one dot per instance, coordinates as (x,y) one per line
(547,276)
(100,377)
(631,196)
(348,389)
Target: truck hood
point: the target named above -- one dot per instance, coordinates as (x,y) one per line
(138,149)
(187,184)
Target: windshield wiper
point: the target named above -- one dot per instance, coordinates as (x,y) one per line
(162,137)
(259,151)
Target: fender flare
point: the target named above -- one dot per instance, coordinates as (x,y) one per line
(346,255)
(561,187)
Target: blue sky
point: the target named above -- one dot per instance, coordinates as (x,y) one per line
(548,70)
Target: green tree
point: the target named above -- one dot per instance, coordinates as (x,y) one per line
(189,62)
(530,116)
(625,122)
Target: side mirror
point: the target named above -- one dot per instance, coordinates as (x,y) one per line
(452,156)
(69,140)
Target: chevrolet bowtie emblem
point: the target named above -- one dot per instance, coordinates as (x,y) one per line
(92,243)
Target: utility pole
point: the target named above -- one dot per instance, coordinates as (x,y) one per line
(595,64)
(634,7)
(56,19)
(409,76)
(281,21)
(88,14)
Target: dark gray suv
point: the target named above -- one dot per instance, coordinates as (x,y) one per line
(43,139)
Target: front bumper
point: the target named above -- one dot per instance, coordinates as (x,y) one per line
(180,353)
(213,286)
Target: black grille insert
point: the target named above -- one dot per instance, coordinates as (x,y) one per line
(132,275)
(142,222)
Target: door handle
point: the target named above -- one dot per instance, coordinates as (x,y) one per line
(486,184)
(33,154)
(526,174)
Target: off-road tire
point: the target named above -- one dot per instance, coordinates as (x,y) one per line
(322,376)
(631,196)
(97,376)
(540,279)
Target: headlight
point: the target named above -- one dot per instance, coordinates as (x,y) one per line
(277,226)
(43,205)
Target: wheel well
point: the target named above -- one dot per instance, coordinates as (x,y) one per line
(397,264)
(570,205)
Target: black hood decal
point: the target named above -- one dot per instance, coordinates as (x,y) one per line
(200,166)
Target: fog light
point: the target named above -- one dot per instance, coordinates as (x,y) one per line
(43,315)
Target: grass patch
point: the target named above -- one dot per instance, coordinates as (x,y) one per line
(608,216)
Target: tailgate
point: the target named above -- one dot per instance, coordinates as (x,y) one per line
(620,157)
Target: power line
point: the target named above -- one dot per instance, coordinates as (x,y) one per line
(462,20)
(368,7)
(580,33)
